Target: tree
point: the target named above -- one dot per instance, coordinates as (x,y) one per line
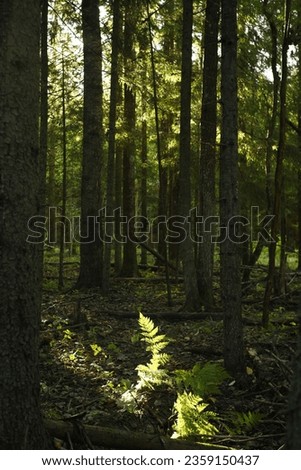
(21,424)
(44,102)
(112,139)
(229,204)
(208,150)
(294,402)
(129,266)
(91,247)
(192,302)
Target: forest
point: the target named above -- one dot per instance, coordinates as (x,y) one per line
(150,224)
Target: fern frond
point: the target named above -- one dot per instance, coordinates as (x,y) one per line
(202,380)
(192,419)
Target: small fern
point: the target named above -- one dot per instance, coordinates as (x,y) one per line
(202,380)
(153,373)
(192,417)
(243,423)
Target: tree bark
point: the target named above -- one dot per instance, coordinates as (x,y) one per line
(208,150)
(129,265)
(294,402)
(64,181)
(299,144)
(112,139)
(192,301)
(90,241)
(21,426)
(43,104)
(230,252)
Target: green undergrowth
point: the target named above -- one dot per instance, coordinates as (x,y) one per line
(196,390)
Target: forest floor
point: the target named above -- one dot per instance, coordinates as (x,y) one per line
(90,348)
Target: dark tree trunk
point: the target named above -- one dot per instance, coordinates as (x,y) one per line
(144,145)
(129,265)
(21,425)
(166,121)
(229,205)
(118,205)
(64,181)
(294,402)
(192,301)
(299,208)
(43,104)
(51,192)
(299,144)
(162,247)
(208,150)
(112,139)
(278,191)
(90,243)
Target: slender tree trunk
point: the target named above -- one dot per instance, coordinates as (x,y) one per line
(118,205)
(299,210)
(192,302)
(51,193)
(21,425)
(129,266)
(229,204)
(112,139)
(294,400)
(144,145)
(64,181)
(44,103)
(273,119)
(299,145)
(166,121)
(162,174)
(208,150)
(279,169)
(90,243)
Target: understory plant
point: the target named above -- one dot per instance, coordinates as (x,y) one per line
(192,417)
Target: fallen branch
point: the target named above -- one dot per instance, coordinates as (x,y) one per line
(110,438)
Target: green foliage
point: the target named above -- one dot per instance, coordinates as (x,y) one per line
(96,349)
(192,417)
(68,334)
(152,373)
(242,423)
(202,380)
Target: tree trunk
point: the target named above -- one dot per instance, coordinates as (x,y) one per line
(21,425)
(279,168)
(294,402)
(43,104)
(208,150)
(229,205)
(112,139)
(90,240)
(192,302)
(64,181)
(299,209)
(299,145)
(118,205)
(129,265)
(162,246)
(144,144)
